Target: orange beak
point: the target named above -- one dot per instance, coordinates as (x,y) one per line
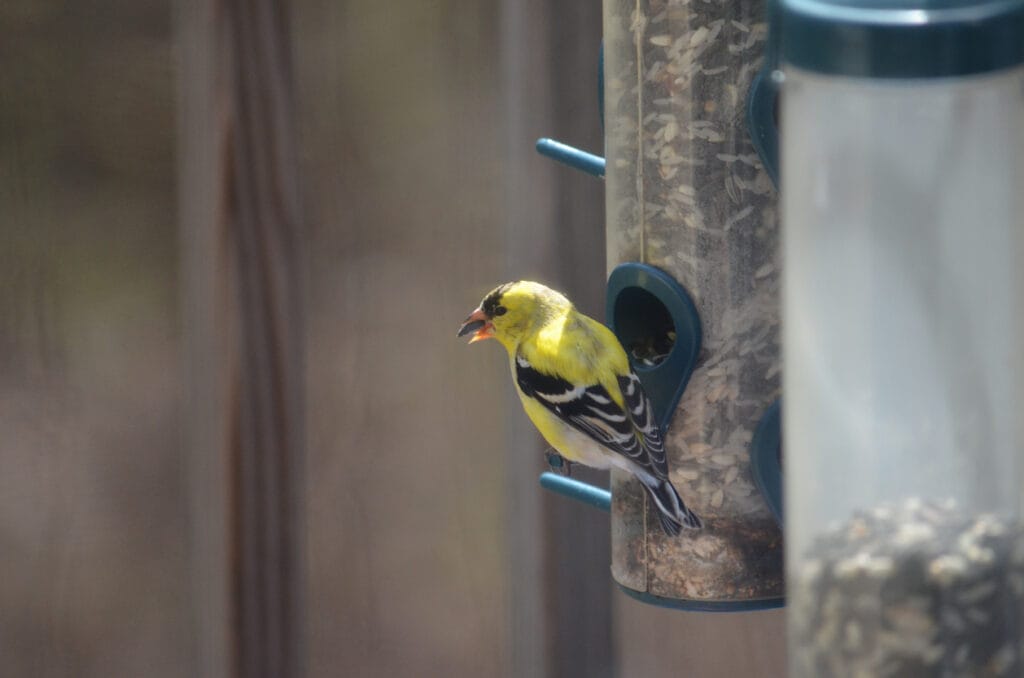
(479,322)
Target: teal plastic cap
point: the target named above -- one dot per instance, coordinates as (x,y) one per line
(902,38)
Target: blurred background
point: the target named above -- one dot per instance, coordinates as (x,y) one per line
(416,540)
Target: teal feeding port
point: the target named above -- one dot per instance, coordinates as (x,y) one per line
(763,99)
(766,458)
(657,323)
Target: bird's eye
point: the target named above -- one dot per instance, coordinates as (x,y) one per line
(501,310)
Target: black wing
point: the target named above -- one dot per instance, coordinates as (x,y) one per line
(590,409)
(642,414)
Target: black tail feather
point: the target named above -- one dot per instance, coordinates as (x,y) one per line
(672,511)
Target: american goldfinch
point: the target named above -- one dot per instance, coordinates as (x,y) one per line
(576,385)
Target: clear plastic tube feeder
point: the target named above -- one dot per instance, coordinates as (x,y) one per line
(687,194)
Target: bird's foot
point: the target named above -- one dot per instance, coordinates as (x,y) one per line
(558,464)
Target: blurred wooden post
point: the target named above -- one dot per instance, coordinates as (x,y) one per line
(241,270)
(559,551)
(527,238)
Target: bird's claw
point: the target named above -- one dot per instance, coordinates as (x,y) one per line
(558,464)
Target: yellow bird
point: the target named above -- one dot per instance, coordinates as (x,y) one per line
(576,385)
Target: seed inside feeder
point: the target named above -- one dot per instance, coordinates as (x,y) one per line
(914,589)
(651,351)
